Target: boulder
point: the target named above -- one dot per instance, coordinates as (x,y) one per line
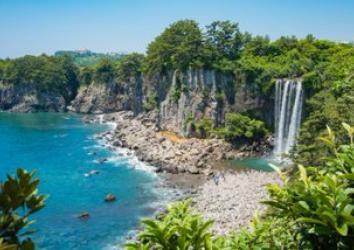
(110,197)
(192,170)
(83,215)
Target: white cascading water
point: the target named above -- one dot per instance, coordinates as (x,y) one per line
(288,108)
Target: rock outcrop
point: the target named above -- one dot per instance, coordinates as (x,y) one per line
(168,151)
(109,97)
(204,93)
(28,99)
(180,97)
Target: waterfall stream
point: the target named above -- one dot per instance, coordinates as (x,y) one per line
(288,108)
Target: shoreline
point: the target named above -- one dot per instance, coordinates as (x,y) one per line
(228,197)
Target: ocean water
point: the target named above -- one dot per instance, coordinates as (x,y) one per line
(62,149)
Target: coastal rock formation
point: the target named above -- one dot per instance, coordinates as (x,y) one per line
(109,97)
(168,151)
(110,197)
(28,99)
(196,94)
(83,216)
(180,97)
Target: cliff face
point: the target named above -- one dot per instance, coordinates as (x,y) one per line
(199,94)
(181,96)
(109,97)
(28,99)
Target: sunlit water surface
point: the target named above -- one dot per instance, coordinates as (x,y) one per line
(62,149)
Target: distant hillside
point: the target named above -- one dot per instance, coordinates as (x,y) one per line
(87,57)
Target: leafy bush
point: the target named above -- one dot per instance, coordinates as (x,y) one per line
(130,66)
(203,127)
(320,200)
(150,103)
(104,71)
(179,228)
(176,94)
(240,128)
(19,199)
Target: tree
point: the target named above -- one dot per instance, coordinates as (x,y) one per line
(178,47)
(130,66)
(104,71)
(240,129)
(225,39)
(19,199)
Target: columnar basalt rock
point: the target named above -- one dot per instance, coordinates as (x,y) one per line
(181,96)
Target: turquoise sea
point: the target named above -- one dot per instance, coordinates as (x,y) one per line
(62,149)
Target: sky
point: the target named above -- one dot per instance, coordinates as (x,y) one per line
(45,26)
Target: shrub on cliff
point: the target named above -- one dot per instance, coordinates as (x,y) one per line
(130,66)
(19,199)
(150,103)
(104,71)
(239,129)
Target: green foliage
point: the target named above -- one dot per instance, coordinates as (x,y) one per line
(331,102)
(178,47)
(179,229)
(5,246)
(150,103)
(319,200)
(86,75)
(203,127)
(268,233)
(19,199)
(224,42)
(176,94)
(104,71)
(130,66)
(240,128)
(45,73)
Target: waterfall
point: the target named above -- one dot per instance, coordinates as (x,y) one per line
(100,119)
(287,110)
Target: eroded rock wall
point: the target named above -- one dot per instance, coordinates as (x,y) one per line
(28,99)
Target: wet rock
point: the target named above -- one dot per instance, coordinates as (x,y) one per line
(102,160)
(110,198)
(83,216)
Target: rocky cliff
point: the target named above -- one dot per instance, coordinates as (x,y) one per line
(109,97)
(197,94)
(28,99)
(180,97)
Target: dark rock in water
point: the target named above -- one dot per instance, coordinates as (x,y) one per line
(158,169)
(110,197)
(102,160)
(92,172)
(84,216)
(117,143)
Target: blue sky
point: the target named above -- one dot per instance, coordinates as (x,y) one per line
(44,26)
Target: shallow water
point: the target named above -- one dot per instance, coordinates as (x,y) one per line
(252,163)
(62,149)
